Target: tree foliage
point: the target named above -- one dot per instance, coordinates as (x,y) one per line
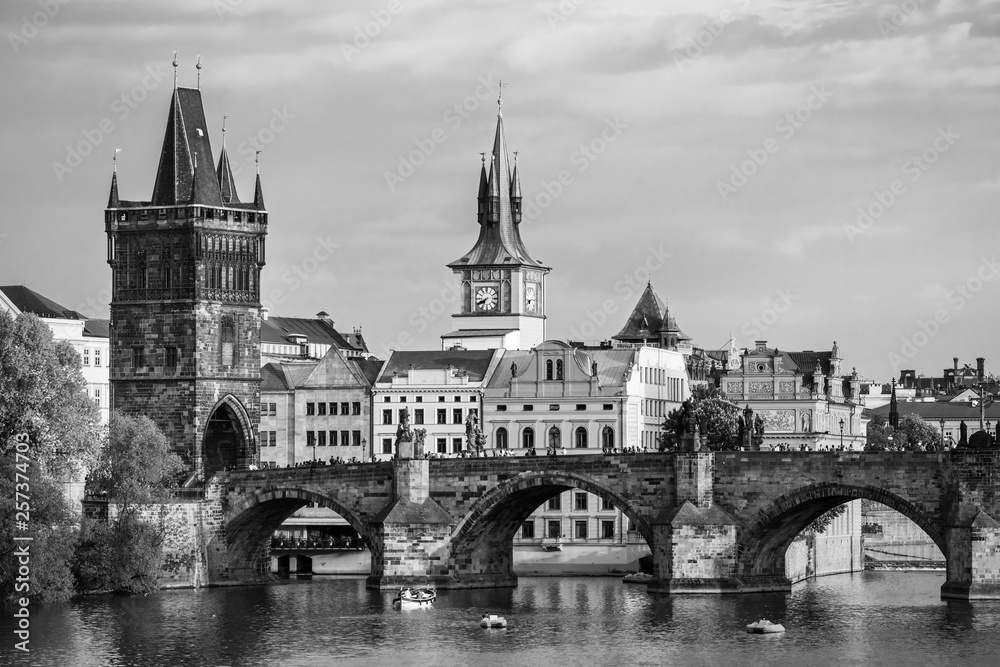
(717,415)
(914,434)
(136,470)
(44,395)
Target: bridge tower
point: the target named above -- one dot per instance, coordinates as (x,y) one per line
(185,307)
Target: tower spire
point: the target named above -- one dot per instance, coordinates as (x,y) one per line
(113,200)
(483,189)
(515,194)
(258,193)
(224,172)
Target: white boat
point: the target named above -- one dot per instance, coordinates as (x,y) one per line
(409,598)
(492,621)
(765,627)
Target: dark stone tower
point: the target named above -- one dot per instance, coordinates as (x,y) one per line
(185,310)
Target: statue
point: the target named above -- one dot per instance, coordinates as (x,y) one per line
(513,370)
(474,439)
(747,441)
(593,368)
(806,422)
(758,434)
(418,442)
(963,441)
(689,428)
(404,436)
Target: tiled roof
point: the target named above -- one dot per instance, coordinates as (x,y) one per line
(646,319)
(806,361)
(186,174)
(474,362)
(272,378)
(30,301)
(277,330)
(97,328)
(938,410)
(611,365)
(370,367)
(224,174)
(476,333)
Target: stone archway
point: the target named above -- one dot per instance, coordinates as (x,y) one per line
(761,547)
(229,442)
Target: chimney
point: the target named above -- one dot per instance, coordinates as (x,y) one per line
(760,344)
(263,312)
(955,360)
(981,368)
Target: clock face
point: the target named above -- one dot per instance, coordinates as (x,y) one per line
(530,299)
(486,298)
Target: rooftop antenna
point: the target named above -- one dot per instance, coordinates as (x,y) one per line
(197,66)
(175,70)
(500,86)
(114,160)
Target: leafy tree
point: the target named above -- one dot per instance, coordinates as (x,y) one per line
(878,437)
(137,469)
(718,415)
(916,434)
(823,521)
(44,395)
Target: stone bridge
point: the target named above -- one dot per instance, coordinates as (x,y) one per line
(716,522)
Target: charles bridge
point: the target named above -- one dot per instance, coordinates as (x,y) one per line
(716,522)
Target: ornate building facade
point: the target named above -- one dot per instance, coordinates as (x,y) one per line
(185,308)
(502,286)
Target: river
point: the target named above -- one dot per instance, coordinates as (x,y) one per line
(869,618)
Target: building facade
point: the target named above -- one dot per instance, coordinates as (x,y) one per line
(185,307)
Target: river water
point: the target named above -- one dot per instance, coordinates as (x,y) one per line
(870,618)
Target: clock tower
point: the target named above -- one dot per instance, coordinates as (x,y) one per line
(502,286)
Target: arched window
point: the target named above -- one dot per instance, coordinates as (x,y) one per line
(548,369)
(501,438)
(608,438)
(555,438)
(581,436)
(528,438)
(559,369)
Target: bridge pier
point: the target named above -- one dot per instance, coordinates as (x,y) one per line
(694,545)
(973,560)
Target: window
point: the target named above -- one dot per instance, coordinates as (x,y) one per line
(607,530)
(420,399)
(402,399)
(559,369)
(609,406)
(580,501)
(553,407)
(333,408)
(440,399)
(310,409)
(581,437)
(472,399)
(555,438)
(580,530)
(138,358)
(581,406)
(321,409)
(171,357)
(344,406)
(272,409)
(548,369)
(418,416)
(97,357)
(501,438)
(356,438)
(387,445)
(321,439)
(607,505)
(228,341)
(310,438)
(386,399)
(273,439)
(501,408)
(528,438)
(387,416)
(554,531)
(442,416)
(528,530)
(442,445)
(527,408)
(86,356)
(345,438)
(97,396)
(458,399)
(333,438)
(456,445)
(555,502)
(456,416)
(355,408)
(608,438)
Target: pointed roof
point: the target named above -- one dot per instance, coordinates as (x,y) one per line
(113,200)
(258,195)
(185,174)
(225,175)
(515,186)
(483,181)
(646,319)
(499,242)
(29,301)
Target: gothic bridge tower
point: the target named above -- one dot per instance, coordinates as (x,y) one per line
(503,287)
(185,310)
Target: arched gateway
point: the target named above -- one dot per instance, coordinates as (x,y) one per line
(229,441)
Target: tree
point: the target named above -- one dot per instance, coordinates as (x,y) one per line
(717,415)
(136,471)
(44,396)
(916,434)
(878,438)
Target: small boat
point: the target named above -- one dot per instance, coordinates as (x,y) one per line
(492,621)
(411,598)
(765,627)
(637,578)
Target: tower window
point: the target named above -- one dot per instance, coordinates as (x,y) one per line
(171,357)
(138,358)
(228,341)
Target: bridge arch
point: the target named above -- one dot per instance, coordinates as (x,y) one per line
(762,544)
(489,526)
(251,521)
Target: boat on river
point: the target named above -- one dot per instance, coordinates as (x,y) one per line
(492,621)
(637,578)
(765,627)
(411,598)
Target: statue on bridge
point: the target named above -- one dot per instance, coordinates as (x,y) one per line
(404,436)
(474,438)
(963,441)
(691,428)
(419,435)
(758,434)
(747,427)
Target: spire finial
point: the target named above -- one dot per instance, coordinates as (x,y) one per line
(197,66)
(482,156)
(256,159)
(175,70)
(114,160)
(500,86)
(224,131)
(515,157)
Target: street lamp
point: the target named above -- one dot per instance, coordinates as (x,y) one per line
(841,434)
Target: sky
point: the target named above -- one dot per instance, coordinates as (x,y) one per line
(799,173)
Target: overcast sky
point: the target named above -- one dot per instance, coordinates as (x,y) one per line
(726,148)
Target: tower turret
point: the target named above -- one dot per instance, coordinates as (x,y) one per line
(515,194)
